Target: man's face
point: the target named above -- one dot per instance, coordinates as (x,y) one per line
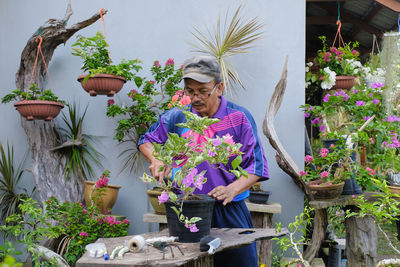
(204,96)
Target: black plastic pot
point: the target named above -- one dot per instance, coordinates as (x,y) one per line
(259,197)
(202,208)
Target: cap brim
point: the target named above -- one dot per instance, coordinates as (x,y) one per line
(201,78)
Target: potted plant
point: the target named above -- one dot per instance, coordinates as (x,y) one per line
(101,194)
(142,106)
(35,103)
(257,195)
(103,78)
(326,172)
(334,68)
(184,153)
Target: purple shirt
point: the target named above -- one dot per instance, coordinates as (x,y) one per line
(234,120)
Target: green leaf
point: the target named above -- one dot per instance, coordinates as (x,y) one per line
(236,162)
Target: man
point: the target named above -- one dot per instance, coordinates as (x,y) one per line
(202,81)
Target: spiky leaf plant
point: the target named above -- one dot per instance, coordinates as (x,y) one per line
(10,176)
(78,149)
(234,37)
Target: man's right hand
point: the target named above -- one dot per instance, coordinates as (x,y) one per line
(155,167)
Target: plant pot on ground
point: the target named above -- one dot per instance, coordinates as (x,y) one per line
(102,78)
(35,103)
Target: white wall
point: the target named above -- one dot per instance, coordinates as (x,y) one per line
(156,30)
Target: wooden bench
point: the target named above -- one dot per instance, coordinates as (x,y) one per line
(262,215)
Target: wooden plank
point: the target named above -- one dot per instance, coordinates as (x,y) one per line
(343,200)
(264,208)
(321,20)
(230,238)
(391,4)
(154,218)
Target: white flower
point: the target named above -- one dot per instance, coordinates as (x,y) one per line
(310,64)
(329,79)
(307,69)
(307,84)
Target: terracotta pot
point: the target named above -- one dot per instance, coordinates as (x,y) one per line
(38,109)
(344,82)
(322,192)
(102,84)
(153,195)
(107,200)
(395,189)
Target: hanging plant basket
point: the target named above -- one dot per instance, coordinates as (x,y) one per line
(322,191)
(344,82)
(38,109)
(102,84)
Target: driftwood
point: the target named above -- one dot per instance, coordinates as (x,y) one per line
(44,137)
(47,255)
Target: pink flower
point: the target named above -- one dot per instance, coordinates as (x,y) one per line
(193,228)
(371,140)
(360,103)
(323,152)
(315,121)
(126,221)
(169,105)
(229,139)
(118,222)
(324,174)
(355,91)
(321,128)
(353,196)
(211,153)
(199,181)
(185,100)
(326,98)
(303,173)
(308,158)
(175,98)
(152,82)
(366,118)
(110,102)
(163,198)
(310,108)
(110,220)
(377,85)
(100,220)
(391,118)
(156,64)
(216,142)
(84,211)
(170,61)
(370,171)
(80,204)
(307,115)
(375,101)
(332,145)
(83,234)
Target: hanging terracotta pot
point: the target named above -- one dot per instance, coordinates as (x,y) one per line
(102,84)
(344,82)
(38,109)
(322,191)
(106,201)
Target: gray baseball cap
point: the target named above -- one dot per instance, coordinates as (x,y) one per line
(203,69)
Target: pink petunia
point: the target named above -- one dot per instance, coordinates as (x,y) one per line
(324,174)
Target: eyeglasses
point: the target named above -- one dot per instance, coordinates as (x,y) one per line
(203,94)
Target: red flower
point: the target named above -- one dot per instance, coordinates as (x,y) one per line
(170,61)
(185,100)
(110,102)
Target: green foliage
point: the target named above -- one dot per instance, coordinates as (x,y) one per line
(146,102)
(9,261)
(8,249)
(93,51)
(79,225)
(34,93)
(10,176)
(81,153)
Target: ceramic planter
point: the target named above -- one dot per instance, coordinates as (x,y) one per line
(323,192)
(38,109)
(344,82)
(191,208)
(107,200)
(153,195)
(102,84)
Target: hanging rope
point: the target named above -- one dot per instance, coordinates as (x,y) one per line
(105,37)
(338,33)
(39,50)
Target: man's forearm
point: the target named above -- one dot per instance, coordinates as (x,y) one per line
(147,151)
(243,183)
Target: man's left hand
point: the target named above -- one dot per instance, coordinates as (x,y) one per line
(223,193)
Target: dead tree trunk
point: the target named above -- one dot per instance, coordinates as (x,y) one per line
(47,166)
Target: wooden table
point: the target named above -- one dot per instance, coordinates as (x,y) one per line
(262,215)
(361,233)
(230,238)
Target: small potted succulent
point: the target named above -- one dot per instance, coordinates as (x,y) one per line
(35,103)
(103,78)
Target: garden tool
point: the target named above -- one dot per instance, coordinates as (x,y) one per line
(210,243)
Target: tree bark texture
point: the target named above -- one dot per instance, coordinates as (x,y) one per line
(361,241)
(318,235)
(47,166)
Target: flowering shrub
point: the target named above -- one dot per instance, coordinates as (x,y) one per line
(143,105)
(332,166)
(331,62)
(78,225)
(184,153)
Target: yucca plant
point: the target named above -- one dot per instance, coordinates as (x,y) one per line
(228,40)
(78,148)
(10,175)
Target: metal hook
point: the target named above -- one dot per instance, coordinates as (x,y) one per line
(40,41)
